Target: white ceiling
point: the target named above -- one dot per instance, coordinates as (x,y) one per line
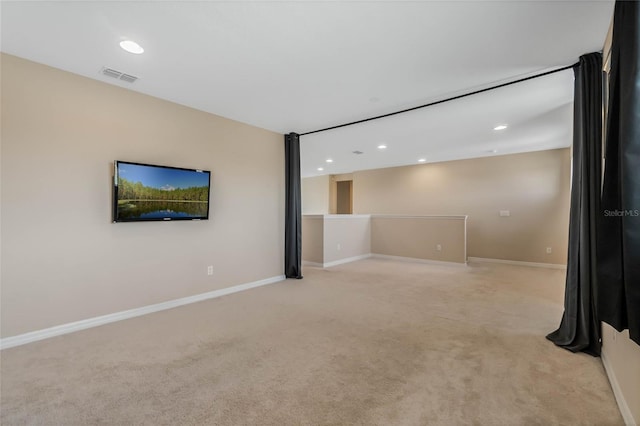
(298,66)
(538,113)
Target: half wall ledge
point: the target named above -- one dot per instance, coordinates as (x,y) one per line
(329,240)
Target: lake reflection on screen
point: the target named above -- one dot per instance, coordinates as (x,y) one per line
(133,209)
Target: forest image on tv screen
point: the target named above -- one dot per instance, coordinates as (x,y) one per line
(151,192)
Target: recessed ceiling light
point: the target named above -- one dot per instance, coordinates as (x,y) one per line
(131,47)
(329,160)
(422,160)
(320,169)
(500,127)
(382,147)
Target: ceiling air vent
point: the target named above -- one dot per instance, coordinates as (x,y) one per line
(128,78)
(110,72)
(357,152)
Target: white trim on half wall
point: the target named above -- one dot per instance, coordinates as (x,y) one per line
(518,263)
(627,416)
(346,260)
(336,262)
(418,260)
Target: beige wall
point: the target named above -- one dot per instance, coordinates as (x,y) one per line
(622,358)
(346,236)
(62,258)
(313,238)
(327,239)
(419,237)
(315,195)
(534,187)
(320,193)
(332,238)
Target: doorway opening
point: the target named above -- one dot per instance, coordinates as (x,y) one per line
(344,194)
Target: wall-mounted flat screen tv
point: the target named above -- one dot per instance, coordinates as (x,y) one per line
(145,192)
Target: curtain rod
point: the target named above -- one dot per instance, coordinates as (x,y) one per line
(443,100)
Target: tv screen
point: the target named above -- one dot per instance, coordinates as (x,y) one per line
(145,192)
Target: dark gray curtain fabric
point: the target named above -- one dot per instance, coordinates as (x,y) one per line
(293,208)
(619,246)
(580,328)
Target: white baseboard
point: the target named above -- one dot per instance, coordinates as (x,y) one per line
(346,260)
(417,260)
(23,339)
(617,392)
(335,262)
(518,263)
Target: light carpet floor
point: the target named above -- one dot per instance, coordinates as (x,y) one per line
(375,342)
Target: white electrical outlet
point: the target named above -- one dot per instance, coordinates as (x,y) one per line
(505,213)
(210,270)
(548,250)
(438,247)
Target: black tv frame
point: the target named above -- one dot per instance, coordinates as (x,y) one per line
(115,217)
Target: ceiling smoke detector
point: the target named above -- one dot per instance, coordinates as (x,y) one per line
(110,72)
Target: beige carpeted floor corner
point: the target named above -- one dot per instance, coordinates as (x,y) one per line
(375,342)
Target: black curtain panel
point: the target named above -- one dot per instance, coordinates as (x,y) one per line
(619,245)
(293,208)
(579,329)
